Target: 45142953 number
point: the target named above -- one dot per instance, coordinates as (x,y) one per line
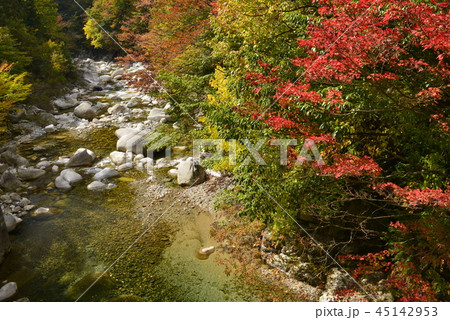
(407,311)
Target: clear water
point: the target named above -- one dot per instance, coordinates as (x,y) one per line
(55,258)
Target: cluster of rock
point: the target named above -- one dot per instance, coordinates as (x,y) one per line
(308,276)
(14,207)
(130,153)
(15,170)
(104,83)
(105,101)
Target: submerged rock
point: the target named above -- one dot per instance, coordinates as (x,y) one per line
(3,167)
(28,174)
(65,103)
(44,164)
(164,163)
(104,284)
(41,212)
(173,173)
(204,253)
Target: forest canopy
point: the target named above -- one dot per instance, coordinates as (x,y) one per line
(366,81)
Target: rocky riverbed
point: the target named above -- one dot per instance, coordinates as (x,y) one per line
(78,189)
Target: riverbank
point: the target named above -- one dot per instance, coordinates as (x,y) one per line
(78,200)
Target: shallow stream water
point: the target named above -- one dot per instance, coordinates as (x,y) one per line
(57,257)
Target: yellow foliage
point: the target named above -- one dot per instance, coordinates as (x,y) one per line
(12,90)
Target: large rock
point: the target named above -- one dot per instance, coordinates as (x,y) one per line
(81,158)
(85,111)
(132,143)
(158,114)
(71,176)
(11,222)
(65,103)
(97,186)
(125,167)
(100,106)
(4,239)
(28,174)
(14,159)
(67,179)
(190,173)
(106,173)
(105,78)
(118,158)
(125,131)
(118,108)
(9,181)
(62,184)
(8,291)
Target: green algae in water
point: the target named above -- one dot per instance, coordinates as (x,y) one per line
(68,250)
(84,239)
(56,258)
(64,143)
